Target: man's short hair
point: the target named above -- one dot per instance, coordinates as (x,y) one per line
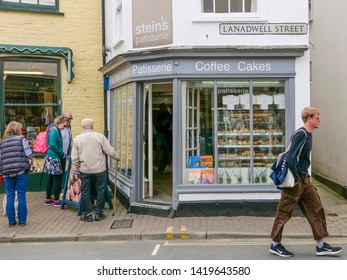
(309,112)
(87,122)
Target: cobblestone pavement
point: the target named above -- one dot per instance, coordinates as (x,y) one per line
(48,223)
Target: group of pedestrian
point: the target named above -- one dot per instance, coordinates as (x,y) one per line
(88,156)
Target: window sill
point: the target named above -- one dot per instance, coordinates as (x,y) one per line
(31,10)
(117,43)
(229,18)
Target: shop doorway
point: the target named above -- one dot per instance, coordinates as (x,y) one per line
(157,143)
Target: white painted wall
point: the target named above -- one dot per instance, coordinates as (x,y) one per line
(328,87)
(192,28)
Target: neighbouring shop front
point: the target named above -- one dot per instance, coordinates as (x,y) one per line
(30,89)
(232,114)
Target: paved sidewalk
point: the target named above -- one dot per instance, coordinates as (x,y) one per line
(48,223)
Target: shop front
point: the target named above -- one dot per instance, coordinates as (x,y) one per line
(30,90)
(232,114)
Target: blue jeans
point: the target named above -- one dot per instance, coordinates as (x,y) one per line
(17,183)
(99,181)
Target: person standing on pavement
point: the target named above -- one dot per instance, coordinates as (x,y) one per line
(88,156)
(66,133)
(304,193)
(14,165)
(162,151)
(54,161)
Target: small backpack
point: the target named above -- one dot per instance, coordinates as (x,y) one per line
(40,144)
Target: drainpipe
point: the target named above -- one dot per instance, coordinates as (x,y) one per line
(105,83)
(104,54)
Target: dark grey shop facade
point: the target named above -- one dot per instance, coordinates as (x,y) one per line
(232,112)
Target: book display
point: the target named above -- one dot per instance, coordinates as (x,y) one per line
(200,169)
(207,176)
(194,176)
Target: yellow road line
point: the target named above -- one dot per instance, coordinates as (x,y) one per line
(248,242)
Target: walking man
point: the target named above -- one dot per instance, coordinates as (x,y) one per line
(89,160)
(304,193)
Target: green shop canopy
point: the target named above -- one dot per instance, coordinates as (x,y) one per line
(39,50)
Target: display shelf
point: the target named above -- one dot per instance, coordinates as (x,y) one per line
(248,147)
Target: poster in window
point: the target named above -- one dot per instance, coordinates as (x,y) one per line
(194,176)
(207,176)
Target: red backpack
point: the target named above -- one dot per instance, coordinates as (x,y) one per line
(40,144)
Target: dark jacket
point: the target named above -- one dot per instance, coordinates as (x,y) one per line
(299,166)
(13,158)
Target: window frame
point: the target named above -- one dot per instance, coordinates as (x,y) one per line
(56,106)
(117,30)
(34,8)
(229,12)
(253,173)
(121,123)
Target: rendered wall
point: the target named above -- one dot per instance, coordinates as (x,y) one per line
(80,29)
(328,88)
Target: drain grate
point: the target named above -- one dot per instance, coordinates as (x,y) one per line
(122,224)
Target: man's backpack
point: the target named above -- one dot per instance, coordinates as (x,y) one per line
(40,144)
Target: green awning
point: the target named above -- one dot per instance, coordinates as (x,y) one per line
(40,50)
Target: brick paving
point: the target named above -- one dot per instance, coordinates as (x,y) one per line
(48,223)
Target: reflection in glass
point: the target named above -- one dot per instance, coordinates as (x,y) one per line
(30,95)
(122,111)
(251,129)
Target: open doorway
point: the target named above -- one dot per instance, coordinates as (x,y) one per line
(158,143)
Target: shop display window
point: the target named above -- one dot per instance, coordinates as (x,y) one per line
(250,132)
(199,127)
(121,138)
(30,95)
(30,5)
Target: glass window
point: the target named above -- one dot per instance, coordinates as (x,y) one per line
(34,2)
(122,111)
(199,152)
(310,10)
(118,22)
(229,6)
(30,5)
(30,94)
(250,130)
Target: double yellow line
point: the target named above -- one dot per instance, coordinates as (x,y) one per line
(182,234)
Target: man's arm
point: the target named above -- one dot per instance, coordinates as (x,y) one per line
(74,157)
(108,149)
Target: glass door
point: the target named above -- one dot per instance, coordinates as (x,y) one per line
(148,142)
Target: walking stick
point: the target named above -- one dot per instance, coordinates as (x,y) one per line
(115,189)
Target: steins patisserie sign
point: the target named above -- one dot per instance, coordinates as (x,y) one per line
(263,29)
(152,23)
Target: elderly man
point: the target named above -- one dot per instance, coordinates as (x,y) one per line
(88,157)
